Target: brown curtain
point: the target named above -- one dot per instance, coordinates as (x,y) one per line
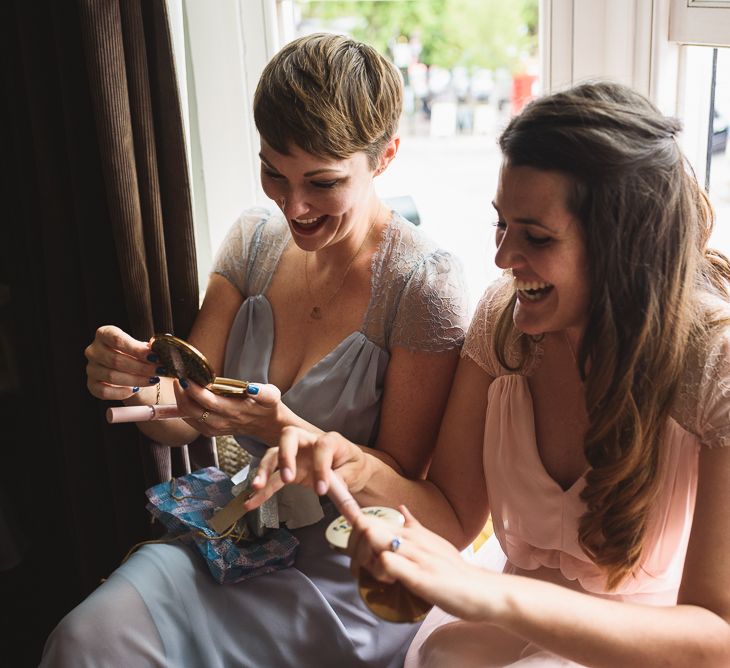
(97,228)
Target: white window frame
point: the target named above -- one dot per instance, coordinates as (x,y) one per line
(622,40)
(700,22)
(220,49)
(638,42)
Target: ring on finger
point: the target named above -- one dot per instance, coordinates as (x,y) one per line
(395,544)
(204,416)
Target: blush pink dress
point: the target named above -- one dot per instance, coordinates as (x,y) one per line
(536,521)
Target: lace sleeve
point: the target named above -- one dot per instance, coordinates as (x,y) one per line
(713,396)
(432,312)
(479,346)
(235,257)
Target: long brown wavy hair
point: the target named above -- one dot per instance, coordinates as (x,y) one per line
(646,224)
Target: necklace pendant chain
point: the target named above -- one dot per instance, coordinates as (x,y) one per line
(316,312)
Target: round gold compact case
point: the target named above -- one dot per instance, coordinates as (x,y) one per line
(181,360)
(389,601)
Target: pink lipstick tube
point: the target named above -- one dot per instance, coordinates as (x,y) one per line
(143,413)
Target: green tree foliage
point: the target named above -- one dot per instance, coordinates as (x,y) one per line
(472,33)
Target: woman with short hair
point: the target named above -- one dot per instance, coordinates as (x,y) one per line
(342,313)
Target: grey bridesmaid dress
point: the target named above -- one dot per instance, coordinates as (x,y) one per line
(310,614)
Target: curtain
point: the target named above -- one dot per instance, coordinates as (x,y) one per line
(97,229)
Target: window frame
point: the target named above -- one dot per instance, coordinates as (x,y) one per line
(220,50)
(639,43)
(700,22)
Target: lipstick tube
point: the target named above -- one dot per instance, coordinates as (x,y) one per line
(143,413)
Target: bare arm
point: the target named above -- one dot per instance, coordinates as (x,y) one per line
(584,628)
(452,499)
(416,389)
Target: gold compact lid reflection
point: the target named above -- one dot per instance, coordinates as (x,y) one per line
(339,530)
(390,601)
(181,360)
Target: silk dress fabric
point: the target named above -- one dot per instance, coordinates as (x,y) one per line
(536,521)
(311,614)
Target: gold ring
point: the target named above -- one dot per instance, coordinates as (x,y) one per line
(204,416)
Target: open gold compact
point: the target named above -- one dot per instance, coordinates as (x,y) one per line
(181,360)
(389,601)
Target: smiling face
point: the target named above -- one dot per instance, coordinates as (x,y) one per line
(324,200)
(541,242)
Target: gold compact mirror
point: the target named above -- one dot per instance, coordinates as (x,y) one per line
(389,601)
(181,360)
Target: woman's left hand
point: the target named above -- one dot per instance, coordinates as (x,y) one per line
(425,563)
(260,413)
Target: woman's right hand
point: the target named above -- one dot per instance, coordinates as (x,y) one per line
(307,458)
(426,564)
(118,363)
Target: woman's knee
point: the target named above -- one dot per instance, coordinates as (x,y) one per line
(112,624)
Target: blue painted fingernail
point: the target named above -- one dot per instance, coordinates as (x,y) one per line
(252,389)
(152,357)
(160,370)
(135,389)
(184,384)
(154,380)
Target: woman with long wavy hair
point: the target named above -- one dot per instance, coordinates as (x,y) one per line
(589,415)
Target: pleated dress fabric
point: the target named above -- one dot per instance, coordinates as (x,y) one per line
(536,521)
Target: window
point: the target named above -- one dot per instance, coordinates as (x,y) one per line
(664,48)
(701,28)
(674,51)
(709,84)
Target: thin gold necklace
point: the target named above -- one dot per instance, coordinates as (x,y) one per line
(316,312)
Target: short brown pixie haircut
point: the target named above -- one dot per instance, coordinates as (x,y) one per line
(329,95)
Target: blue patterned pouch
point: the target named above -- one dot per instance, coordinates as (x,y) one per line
(184,505)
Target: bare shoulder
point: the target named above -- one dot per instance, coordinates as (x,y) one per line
(702,401)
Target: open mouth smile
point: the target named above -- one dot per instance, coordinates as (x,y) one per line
(532,291)
(307,225)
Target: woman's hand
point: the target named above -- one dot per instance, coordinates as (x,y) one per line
(118,363)
(308,458)
(260,413)
(426,564)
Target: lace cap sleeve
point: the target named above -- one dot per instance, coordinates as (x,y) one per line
(250,250)
(479,343)
(432,311)
(713,394)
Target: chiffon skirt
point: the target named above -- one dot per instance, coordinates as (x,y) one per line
(163,608)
